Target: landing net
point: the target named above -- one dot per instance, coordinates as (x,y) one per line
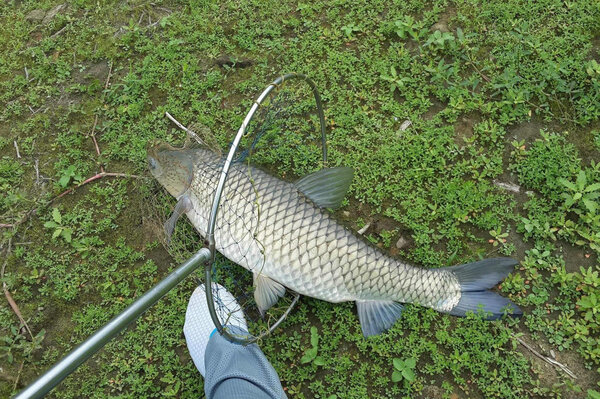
(286,118)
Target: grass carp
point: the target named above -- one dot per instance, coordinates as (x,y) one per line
(283,233)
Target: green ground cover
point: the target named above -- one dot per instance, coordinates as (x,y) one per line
(496,91)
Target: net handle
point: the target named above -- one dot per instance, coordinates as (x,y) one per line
(217,199)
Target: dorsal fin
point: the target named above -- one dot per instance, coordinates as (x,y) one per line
(327,187)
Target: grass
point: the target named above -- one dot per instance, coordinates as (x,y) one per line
(500,91)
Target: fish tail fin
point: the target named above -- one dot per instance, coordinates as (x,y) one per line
(475,281)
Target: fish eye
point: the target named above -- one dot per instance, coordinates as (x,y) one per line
(152,163)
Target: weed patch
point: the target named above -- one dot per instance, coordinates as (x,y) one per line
(465,76)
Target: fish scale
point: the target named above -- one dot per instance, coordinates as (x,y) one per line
(281,233)
(262,219)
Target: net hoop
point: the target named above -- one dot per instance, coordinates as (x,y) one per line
(217,199)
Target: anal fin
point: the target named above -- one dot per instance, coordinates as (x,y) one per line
(377,316)
(266,292)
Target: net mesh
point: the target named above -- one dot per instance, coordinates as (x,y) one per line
(285,124)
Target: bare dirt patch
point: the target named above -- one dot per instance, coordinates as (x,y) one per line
(436,107)
(463,128)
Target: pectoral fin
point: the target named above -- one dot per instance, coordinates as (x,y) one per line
(377,316)
(327,187)
(266,292)
(183,205)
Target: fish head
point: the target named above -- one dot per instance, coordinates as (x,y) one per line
(172,167)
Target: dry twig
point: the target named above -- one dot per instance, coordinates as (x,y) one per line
(91,179)
(185,129)
(16,148)
(110,67)
(93,134)
(19,375)
(153,23)
(59,32)
(546,358)
(36,166)
(7,294)
(93,131)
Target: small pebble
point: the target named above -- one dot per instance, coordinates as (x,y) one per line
(35,16)
(441,26)
(401,243)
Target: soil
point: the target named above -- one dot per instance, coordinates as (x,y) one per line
(463,128)
(436,107)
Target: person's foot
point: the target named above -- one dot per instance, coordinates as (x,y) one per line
(199,326)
